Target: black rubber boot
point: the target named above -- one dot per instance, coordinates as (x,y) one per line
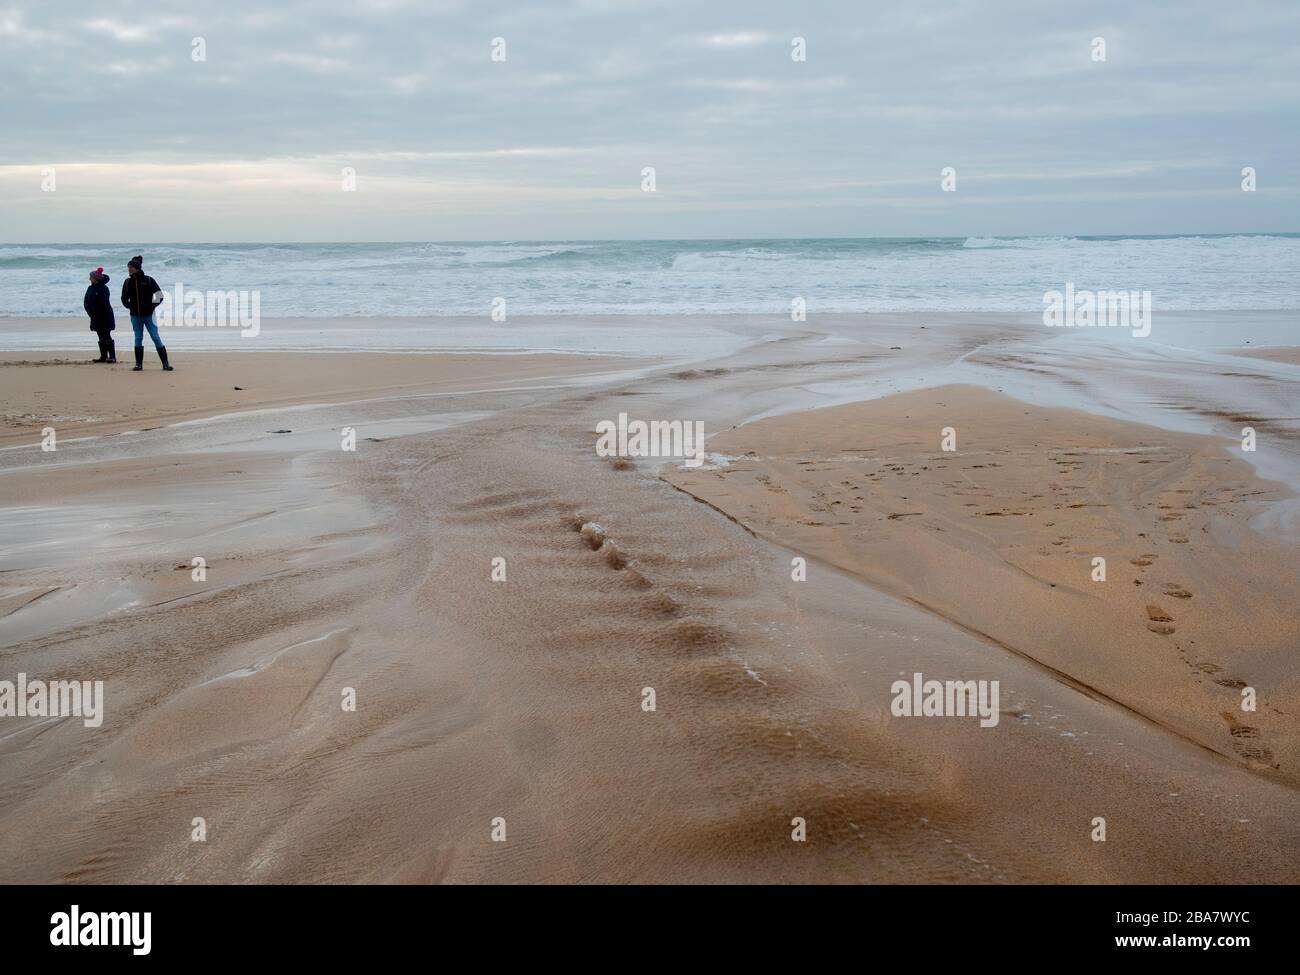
(111,348)
(139,358)
(103,353)
(162,354)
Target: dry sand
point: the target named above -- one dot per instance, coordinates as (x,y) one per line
(80,396)
(1000,536)
(332,572)
(1289,354)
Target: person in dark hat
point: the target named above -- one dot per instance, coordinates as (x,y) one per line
(140,295)
(99,306)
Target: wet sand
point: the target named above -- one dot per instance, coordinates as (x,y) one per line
(330,572)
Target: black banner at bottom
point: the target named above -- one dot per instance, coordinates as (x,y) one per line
(908,924)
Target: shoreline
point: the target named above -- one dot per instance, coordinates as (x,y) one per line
(1090,370)
(710,334)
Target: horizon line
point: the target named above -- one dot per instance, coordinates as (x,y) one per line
(645,240)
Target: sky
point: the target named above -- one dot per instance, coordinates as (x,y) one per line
(111,129)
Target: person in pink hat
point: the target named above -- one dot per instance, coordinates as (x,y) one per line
(99,306)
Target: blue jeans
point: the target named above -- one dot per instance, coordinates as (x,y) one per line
(140,323)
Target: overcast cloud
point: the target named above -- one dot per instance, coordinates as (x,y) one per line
(148,145)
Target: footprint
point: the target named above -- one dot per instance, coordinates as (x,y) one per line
(1254,753)
(1177,593)
(1162,628)
(1245,740)
(1158,615)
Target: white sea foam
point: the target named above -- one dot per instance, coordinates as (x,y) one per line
(1242,272)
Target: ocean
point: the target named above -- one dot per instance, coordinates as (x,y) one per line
(676,277)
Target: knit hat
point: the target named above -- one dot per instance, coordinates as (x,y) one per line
(136,261)
(98,275)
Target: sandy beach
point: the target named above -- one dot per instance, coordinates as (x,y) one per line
(1000,534)
(375,574)
(80,396)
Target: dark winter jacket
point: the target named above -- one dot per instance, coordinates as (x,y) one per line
(137,294)
(99,306)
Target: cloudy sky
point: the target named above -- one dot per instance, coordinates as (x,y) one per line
(148,144)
